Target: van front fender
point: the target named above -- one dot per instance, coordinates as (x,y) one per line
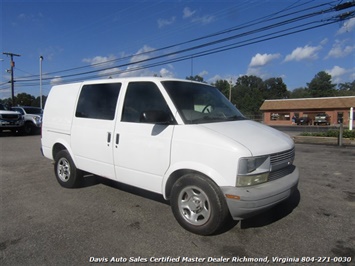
(179,169)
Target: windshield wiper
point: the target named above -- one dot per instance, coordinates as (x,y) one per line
(208,119)
(235,118)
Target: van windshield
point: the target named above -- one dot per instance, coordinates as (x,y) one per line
(200,103)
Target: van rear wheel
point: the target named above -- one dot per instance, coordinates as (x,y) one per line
(199,205)
(66,172)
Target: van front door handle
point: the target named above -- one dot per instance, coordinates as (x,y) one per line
(108,137)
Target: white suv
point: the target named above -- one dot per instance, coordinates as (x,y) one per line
(178,138)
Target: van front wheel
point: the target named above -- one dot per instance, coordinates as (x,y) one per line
(65,170)
(198,204)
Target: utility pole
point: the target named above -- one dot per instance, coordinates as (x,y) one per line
(12,65)
(40,81)
(230,90)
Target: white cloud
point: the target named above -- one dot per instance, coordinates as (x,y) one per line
(136,68)
(110,73)
(229,78)
(56,80)
(203,73)
(204,19)
(348,26)
(187,12)
(262,59)
(99,61)
(256,71)
(304,53)
(336,71)
(214,78)
(142,54)
(340,49)
(166,73)
(166,22)
(324,42)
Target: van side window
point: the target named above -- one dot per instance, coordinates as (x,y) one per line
(98,101)
(142,97)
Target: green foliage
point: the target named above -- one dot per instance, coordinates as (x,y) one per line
(275,88)
(23,99)
(250,82)
(331,133)
(300,93)
(346,89)
(321,85)
(196,78)
(248,96)
(223,86)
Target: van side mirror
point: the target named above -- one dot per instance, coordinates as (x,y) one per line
(156,117)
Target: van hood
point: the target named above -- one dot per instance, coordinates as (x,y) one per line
(259,139)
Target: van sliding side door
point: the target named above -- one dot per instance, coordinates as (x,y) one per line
(93,128)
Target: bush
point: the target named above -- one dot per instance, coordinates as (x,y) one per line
(350,134)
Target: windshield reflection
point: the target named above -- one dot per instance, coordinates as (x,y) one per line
(200,103)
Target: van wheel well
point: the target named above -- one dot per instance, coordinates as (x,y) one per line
(175,176)
(57,148)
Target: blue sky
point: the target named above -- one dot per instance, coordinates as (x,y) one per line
(126,38)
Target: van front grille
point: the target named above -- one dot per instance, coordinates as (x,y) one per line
(282,159)
(281,164)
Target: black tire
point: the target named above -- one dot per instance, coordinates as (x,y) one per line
(67,174)
(28,128)
(198,204)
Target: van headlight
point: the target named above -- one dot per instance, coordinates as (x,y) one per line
(253,171)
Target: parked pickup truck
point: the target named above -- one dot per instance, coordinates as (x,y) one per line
(32,117)
(322,118)
(10,120)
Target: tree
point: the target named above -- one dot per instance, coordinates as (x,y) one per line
(223,86)
(196,78)
(247,95)
(300,93)
(275,88)
(247,100)
(321,85)
(24,99)
(347,89)
(250,82)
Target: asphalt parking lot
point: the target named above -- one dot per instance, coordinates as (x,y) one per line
(104,222)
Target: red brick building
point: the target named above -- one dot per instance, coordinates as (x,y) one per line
(283,112)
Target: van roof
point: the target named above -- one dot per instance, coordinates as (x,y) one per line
(128,79)
(138,79)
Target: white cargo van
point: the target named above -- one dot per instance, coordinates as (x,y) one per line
(179,138)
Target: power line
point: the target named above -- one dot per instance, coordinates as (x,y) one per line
(270,18)
(264,19)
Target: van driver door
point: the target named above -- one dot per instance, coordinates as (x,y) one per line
(142,149)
